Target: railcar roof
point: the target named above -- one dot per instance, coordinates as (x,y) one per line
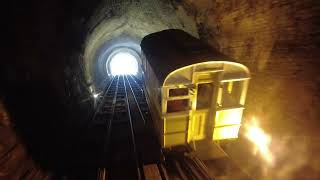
(172,49)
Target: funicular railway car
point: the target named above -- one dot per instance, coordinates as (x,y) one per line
(197,93)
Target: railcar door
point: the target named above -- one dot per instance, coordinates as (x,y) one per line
(203,105)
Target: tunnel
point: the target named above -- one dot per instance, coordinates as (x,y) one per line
(61,59)
(117,56)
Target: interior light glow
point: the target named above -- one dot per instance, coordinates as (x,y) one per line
(123,63)
(227,124)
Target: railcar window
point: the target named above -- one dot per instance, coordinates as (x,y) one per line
(204,96)
(178,105)
(231,93)
(178,92)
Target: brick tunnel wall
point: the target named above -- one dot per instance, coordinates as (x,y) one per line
(279,41)
(15,163)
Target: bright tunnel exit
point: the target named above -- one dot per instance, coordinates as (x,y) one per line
(123,63)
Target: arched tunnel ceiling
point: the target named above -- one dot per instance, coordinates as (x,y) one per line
(132,19)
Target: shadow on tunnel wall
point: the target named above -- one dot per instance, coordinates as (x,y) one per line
(47,120)
(42,87)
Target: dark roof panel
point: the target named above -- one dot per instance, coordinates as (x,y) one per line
(172,49)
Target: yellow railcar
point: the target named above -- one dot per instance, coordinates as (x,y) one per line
(195,92)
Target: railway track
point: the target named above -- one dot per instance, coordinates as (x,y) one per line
(130,149)
(124,113)
(181,164)
(120,158)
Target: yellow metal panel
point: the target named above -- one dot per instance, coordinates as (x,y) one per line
(228,117)
(174,139)
(175,124)
(198,126)
(184,74)
(205,76)
(230,87)
(227,132)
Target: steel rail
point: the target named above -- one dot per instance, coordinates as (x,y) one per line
(100,104)
(132,130)
(136,101)
(102,171)
(144,91)
(109,123)
(141,89)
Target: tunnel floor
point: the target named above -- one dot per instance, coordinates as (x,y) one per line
(120,139)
